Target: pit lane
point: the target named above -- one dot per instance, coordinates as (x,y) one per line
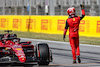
(62,56)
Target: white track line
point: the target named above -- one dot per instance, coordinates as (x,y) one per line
(58,42)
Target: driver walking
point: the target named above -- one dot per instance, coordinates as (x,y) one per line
(73,24)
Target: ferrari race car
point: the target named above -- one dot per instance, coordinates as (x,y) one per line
(14,51)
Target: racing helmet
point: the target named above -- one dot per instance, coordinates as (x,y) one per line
(13,35)
(71,11)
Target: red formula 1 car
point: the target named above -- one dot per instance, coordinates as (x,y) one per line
(14,51)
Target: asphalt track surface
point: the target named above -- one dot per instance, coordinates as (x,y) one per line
(62,55)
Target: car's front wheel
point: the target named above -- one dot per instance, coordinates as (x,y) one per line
(42,53)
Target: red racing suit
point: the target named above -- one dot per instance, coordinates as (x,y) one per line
(73,24)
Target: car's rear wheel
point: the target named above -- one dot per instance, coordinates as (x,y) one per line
(42,52)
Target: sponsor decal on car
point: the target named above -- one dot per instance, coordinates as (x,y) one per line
(18,49)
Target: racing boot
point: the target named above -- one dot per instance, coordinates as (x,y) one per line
(79,60)
(74,62)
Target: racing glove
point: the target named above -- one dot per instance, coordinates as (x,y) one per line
(83,11)
(64,36)
(82,6)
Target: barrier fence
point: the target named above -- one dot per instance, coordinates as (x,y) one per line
(89,26)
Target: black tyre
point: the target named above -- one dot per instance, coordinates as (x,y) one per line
(42,54)
(1,36)
(2,53)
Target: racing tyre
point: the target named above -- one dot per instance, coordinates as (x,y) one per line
(42,54)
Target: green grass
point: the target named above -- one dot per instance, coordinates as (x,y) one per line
(56,37)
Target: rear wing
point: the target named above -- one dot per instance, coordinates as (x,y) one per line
(8,31)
